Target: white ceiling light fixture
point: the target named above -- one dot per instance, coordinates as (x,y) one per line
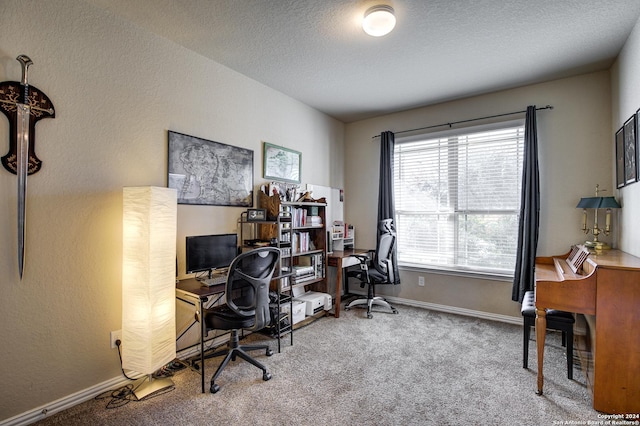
(379,20)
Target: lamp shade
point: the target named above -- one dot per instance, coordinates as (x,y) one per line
(598,203)
(609,203)
(148,278)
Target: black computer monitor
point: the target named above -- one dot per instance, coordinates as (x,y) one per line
(209,252)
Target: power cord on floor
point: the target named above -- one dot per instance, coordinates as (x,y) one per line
(124,395)
(119,397)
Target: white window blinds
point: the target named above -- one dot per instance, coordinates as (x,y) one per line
(458,198)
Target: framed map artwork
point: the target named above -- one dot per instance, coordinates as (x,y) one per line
(210,173)
(281,164)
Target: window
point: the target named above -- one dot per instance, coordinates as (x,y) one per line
(457,198)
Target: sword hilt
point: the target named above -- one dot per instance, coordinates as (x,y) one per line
(25,61)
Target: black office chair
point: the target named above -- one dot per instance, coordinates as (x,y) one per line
(381,273)
(246,308)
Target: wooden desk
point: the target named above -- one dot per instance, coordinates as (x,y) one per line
(609,288)
(341,259)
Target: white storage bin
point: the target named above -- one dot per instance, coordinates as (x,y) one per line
(298,310)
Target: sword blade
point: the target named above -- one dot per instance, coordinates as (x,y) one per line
(22,160)
(22,166)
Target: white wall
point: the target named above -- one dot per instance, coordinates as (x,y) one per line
(574,155)
(117,90)
(625,82)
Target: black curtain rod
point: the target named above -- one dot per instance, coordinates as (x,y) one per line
(466,121)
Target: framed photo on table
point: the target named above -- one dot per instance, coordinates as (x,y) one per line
(630,159)
(281,164)
(255,215)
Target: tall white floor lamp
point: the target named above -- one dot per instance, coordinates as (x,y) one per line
(148,283)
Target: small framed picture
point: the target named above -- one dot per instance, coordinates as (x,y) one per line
(630,170)
(256,215)
(281,164)
(620,158)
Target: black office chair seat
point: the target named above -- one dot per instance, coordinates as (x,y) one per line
(223,318)
(377,277)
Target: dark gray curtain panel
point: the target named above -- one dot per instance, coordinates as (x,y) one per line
(386,203)
(524,275)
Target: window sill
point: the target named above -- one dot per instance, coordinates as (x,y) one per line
(458,272)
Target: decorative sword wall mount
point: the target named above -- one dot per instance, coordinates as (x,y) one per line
(23,105)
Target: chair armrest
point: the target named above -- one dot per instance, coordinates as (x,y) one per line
(361,258)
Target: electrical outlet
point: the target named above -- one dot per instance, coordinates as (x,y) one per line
(115,335)
(421,281)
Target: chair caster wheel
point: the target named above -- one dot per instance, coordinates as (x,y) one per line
(269,352)
(369,316)
(346,308)
(395,311)
(266,376)
(214,388)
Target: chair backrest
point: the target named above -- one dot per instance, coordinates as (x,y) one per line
(383,261)
(247,288)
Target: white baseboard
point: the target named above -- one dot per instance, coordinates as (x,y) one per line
(41,412)
(462,311)
(69,401)
(61,404)
(454,310)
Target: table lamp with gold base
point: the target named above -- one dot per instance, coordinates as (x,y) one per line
(597,203)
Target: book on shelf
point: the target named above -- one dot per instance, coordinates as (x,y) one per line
(300,270)
(301,242)
(285,251)
(314,220)
(299,217)
(304,279)
(284,282)
(303,273)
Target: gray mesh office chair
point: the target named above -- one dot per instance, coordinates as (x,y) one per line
(377,272)
(246,308)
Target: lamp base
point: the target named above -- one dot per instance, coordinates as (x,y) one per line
(597,245)
(150,385)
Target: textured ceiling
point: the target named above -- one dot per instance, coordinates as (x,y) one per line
(315,50)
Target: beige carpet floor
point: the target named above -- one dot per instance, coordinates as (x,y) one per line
(419,367)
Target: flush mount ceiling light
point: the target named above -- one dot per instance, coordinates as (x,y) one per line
(379,20)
